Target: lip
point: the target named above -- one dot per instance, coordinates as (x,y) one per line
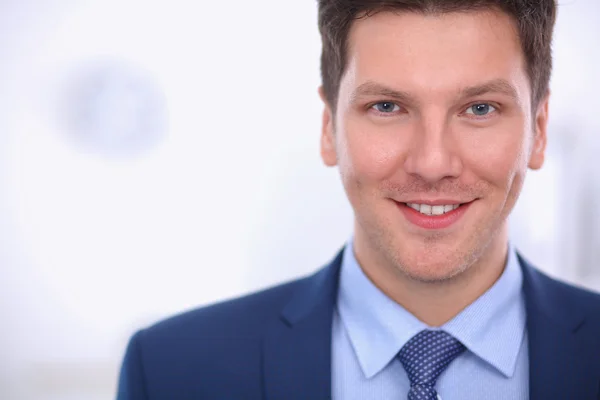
(436,202)
(433,222)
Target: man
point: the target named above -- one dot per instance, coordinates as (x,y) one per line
(434,110)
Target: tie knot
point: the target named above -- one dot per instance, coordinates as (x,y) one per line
(427,355)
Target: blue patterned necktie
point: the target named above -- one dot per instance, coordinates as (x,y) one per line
(424,358)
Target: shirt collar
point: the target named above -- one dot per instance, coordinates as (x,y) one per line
(492,327)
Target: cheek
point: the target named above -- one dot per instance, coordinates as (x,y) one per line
(367,155)
(498,157)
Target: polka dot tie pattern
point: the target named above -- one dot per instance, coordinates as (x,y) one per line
(424,358)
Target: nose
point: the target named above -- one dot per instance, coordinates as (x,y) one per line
(432,155)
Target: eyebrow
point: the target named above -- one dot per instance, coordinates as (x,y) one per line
(500,86)
(371,88)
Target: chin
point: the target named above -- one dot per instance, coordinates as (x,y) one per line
(438,276)
(430,268)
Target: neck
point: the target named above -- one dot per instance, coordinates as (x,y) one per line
(437,302)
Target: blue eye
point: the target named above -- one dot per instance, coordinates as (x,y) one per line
(386,107)
(481,109)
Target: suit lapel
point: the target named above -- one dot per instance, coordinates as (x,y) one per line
(297,346)
(563,354)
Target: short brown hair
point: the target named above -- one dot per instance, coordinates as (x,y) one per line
(534,20)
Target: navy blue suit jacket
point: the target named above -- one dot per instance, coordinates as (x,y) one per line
(276,344)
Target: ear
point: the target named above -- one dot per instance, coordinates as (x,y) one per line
(328,148)
(538,150)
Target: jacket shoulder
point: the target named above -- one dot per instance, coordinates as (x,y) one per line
(573,297)
(244,313)
(240,319)
(199,353)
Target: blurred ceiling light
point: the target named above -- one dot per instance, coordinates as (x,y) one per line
(114,109)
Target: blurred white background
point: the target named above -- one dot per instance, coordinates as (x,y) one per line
(158,156)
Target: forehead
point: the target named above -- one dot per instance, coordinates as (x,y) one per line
(440,53)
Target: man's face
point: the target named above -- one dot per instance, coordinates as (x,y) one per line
(433,111)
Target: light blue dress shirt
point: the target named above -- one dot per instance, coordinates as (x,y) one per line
(369,329)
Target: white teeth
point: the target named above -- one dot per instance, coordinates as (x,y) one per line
(414,206)
(433,210)
(437,210)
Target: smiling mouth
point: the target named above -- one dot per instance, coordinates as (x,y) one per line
(429,210)
(439,216)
